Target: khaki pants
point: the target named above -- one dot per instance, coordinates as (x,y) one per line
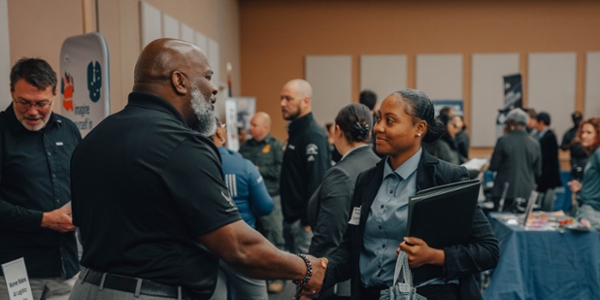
(44,288)
(88,291)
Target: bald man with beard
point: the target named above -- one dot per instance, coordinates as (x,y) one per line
(305,161)
(148,193)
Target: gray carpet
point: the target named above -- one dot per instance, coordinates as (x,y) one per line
(286,294)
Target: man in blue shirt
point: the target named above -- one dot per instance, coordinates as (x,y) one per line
(35,185)
(247,189)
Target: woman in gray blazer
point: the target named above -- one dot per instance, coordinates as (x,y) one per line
(329,206)
(516,160)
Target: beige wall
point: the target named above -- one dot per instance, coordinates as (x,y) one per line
(277,35)
(39,27)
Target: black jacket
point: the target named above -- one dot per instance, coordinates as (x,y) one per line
(461,261)
(305,161)
(329,206)
(550,177)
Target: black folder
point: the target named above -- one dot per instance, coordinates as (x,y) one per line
(442,216)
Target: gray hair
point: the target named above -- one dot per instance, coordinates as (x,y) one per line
(517,116)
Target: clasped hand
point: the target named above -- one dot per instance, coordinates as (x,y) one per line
(419,253)
(319,267)
(58,220)
(574,185)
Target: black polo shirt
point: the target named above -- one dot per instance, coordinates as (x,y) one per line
(34,178)
(145,186)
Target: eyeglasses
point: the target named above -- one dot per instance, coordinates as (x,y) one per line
(39,105)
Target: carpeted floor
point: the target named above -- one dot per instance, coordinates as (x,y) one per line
(286,294)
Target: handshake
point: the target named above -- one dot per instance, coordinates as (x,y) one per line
(313,281)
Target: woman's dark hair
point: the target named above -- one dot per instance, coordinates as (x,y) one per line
(355,121)
(543,117)
(420,107)
(328,126)
(368,98)
(445,119)
(462,119)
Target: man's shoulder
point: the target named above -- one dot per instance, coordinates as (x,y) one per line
(596,155)
(274,141)
(67,124)
(64,120)
(202,143)
(549,139)
(314,132)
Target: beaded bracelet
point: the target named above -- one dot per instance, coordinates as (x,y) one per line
(309,272)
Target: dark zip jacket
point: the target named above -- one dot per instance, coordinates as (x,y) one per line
(305,161)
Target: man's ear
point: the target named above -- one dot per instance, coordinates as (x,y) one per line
(305,104)
(178,80)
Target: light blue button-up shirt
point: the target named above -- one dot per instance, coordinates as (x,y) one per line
(541,134)
(386,223)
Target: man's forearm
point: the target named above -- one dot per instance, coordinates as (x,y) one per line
(248,252)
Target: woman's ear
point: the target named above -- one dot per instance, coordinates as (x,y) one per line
(178,82)
(421,128)
(338,131)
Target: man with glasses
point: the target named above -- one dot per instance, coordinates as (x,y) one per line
(35,185)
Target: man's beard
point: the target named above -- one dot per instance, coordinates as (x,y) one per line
(292,116)
(204,112)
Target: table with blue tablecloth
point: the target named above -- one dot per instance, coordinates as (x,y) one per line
(544,264)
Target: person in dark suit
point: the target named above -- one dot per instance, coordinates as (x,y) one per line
(377,225)
(329,206)
(516,160)
(550,177)
(570,142)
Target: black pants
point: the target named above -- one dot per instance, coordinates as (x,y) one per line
(508,204)
(440,292)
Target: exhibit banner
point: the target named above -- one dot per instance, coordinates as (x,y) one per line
(513,91)
(246,108)
(231,123)
(457,106)
(84,80)
(501,122)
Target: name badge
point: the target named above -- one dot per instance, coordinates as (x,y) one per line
(17,282)
(355,218)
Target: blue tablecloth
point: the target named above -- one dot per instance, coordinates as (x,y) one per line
(545,264)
